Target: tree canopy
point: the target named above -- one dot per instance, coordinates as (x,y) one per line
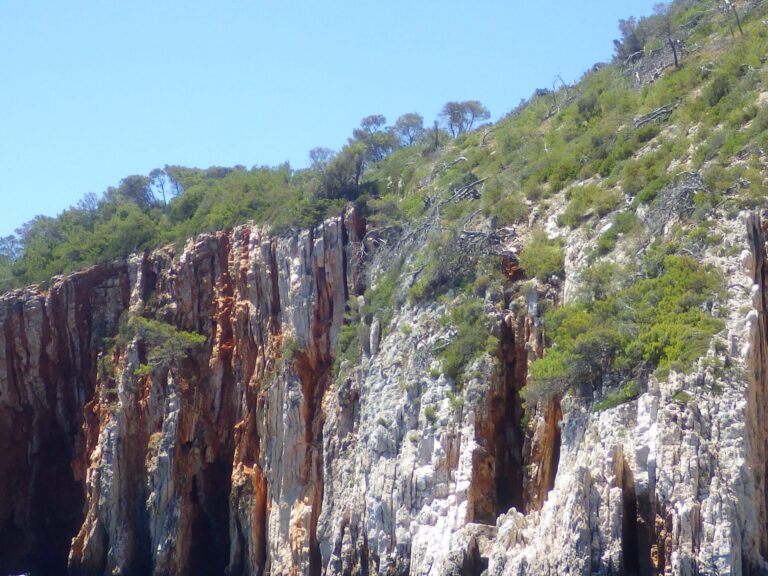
(409,128)
(460,117)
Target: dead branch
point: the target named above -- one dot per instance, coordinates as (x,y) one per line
(634,57)
(554,110)
(469,219)
(467,191)
(414,272)
(659,114)
(447,165)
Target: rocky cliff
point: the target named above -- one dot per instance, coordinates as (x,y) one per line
(377,394)
(250,454)
(209,463)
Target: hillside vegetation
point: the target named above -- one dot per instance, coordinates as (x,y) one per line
(655,146)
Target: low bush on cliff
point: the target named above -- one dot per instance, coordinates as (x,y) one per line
(586,201)
(550,375)
(623,223)
(626,393)
(447,266)
(166,344)
(664,318)
(543,256)
(381,298)
(379,302)
(472,337)
(352,340)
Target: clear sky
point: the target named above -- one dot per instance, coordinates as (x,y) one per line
(95,90)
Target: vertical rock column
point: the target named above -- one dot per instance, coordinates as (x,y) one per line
(48,349)
(757,398)
(312,272)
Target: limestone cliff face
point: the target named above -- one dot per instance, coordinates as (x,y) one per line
(212,464)
(47,379)
(249,456)
(673,483)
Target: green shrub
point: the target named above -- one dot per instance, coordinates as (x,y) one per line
(550,376)
(143,370)
(105,370)
(646,133)
(586,201)
(624,223)
(506,205)
(381,298)
(588,107)
(643,177)
(702,235)
(290,346)
(627,393)
(659,322)
(651,190)
(454,269)
(349,346)
(166,345)
(718,89)
(472,337)
(543,257)
(430,413)
(599,281)
(455,401)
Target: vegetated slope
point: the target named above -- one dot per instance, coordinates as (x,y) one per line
(630,172)
(707,111)
(538,347)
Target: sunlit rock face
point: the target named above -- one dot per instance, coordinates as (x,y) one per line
(250,453)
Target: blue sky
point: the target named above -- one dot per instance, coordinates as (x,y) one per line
(92,91)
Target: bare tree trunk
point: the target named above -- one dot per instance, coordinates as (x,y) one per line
(738,20)
(673,45)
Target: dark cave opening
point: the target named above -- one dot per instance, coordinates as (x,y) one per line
(501,478)
(474,564)
(56,508)
(629,528)
(509,434)
(209,544)
(637,531)
(11,540)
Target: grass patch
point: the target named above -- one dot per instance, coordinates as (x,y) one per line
(627,393)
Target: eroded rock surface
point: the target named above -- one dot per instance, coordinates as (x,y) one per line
(248,456)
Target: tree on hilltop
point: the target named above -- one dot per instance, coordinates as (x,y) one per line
(320,157)
(379,140)
(134,189)
(409,128)
(459,117)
